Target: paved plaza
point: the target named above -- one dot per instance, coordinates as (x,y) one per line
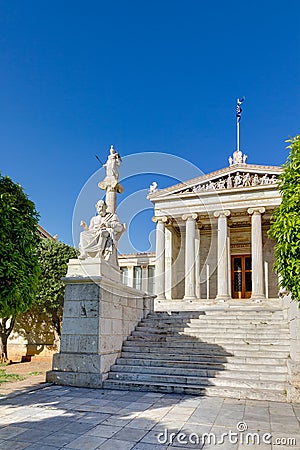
(59,417)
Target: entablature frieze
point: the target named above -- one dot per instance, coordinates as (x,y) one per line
(240,245)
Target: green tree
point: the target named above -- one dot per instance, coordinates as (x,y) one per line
(285,228)
(19,269)
(53,258)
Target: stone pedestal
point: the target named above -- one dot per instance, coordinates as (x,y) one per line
(99,314)
(93,267)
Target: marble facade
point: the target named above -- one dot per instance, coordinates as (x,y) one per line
(211,235)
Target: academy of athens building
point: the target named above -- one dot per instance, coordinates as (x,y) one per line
(212,237)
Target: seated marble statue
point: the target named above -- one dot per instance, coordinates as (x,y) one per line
(100,238)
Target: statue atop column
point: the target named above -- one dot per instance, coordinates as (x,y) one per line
(112,173)
(111,182)
(100,238)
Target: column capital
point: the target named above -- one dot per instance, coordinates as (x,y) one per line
(163,219)
(144,266)
(223,213)
(258,210)
(192,216)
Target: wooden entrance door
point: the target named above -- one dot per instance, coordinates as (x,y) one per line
(241,276)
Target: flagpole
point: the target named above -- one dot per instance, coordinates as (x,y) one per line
(239,101)
(238,134)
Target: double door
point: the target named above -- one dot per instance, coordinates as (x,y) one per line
(241,276)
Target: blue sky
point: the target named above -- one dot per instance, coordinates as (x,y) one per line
(159,76)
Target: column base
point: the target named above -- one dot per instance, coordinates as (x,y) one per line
(160,297)
(258,298)
(189,298)
(223,298)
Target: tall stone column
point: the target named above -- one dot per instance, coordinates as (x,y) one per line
(144,278)
(197,264)
(257,253)
(111,199)
(130,275)
(168,262)
(190,234)
(223,288)
(160,257)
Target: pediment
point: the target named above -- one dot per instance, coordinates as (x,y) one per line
(235,177)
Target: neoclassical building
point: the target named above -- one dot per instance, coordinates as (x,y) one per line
(138,270)
(212,234)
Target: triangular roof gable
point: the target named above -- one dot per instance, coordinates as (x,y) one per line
(220,179)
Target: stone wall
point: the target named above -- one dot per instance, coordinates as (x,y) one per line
(32,336)
(98,317)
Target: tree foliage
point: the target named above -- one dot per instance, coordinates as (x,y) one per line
(19,269)
(285,228)
(53,258)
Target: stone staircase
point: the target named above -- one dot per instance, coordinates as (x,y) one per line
(230,352)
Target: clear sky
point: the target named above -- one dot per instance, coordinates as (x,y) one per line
(146,76)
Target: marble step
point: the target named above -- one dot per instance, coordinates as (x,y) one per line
(204,372)
(214,319)
(214,323)
(214,391)
(226,352)
(212,358)
(217,320)
(208,341)
(194,380)
(220,313)
(229,350)
(278,366)
(226,332)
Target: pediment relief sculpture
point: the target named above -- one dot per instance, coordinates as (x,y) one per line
(234,180)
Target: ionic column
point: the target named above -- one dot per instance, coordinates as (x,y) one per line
(144,278)
(130,275)
(160,257)
(197,259)
(197,264)
(257,253)
(168,263)
(190,232)
(223,290)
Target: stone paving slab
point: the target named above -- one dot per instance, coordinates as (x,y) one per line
(60,417)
